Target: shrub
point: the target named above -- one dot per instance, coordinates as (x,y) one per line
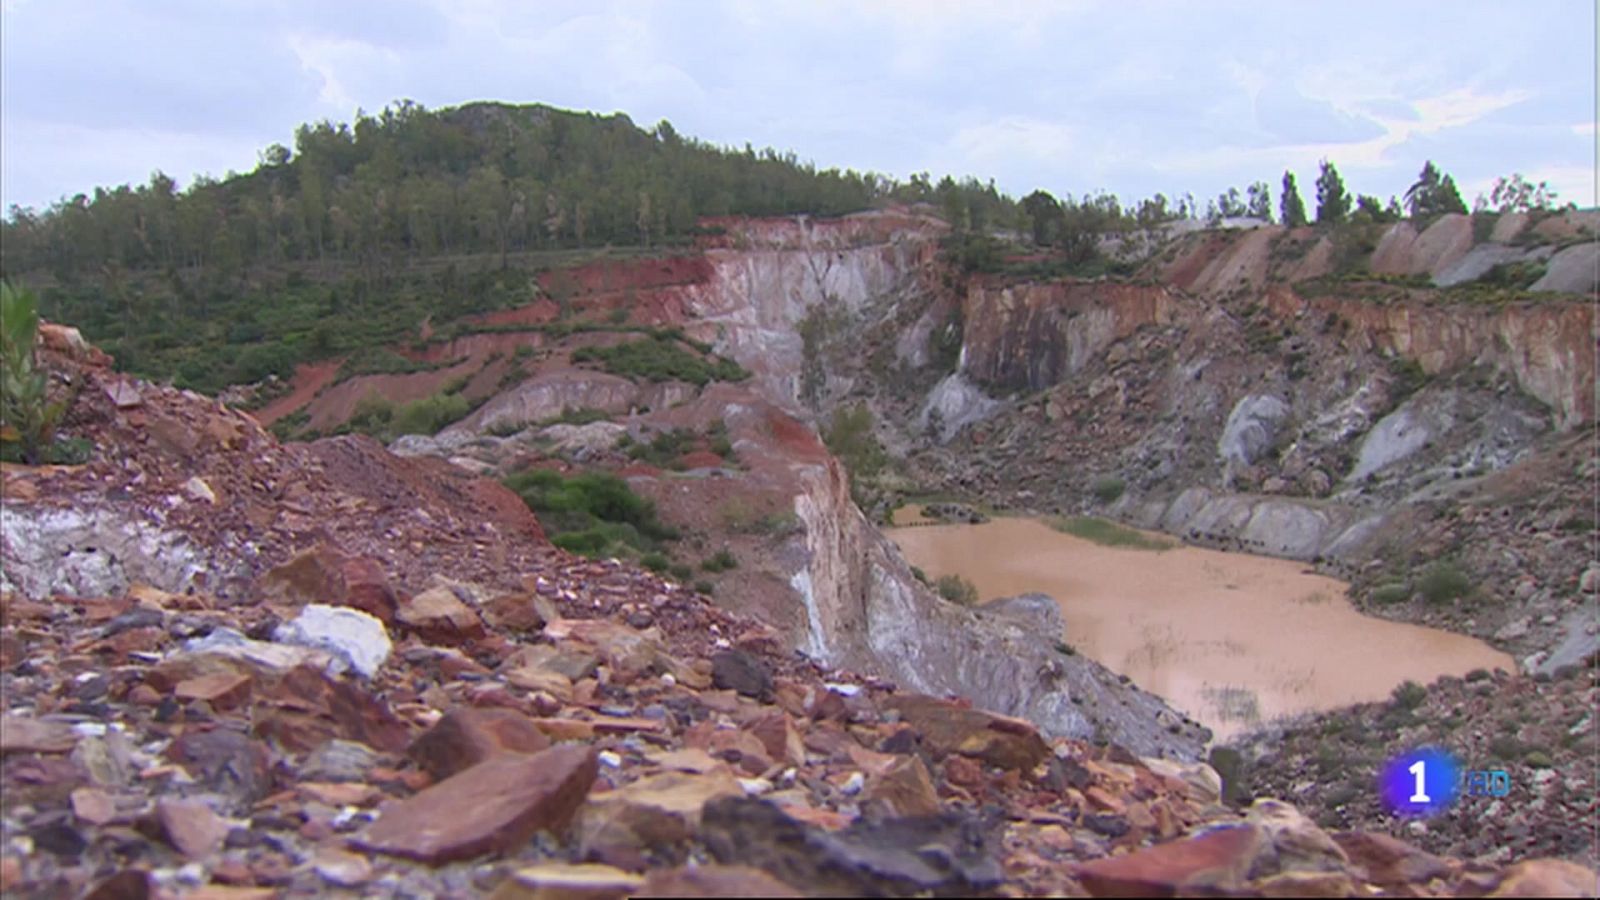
(1108,488)
(680,571)
(591,514)
(957,590)
(655,561)
(1390,593)
(704,587)
(721,562)
(1538,759)
(658,358)
(428,415)
(1409,695)
(1442,582)
(28,417)
(917,573)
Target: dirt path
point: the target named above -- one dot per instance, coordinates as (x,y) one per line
(1230,638)
(308,380)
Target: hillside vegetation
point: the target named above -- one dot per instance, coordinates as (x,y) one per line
(360,233)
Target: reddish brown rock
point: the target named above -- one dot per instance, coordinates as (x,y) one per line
(222,690)
(778,735)
(714,881)
(93,805)
(652,812)
(1389,861)
(325,575)
(308,708)
(1548,878)
(191,827)
(947,727)
(627,651)
(494,806)
(437,615)
(514,613)
(21,734)
(564,881)
(1217,861)
(465,737)
(904,790)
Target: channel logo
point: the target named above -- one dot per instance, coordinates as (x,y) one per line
(1422,782)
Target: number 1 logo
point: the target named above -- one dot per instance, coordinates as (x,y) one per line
(1420,770)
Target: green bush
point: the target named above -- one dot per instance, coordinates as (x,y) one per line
(1538,759)
(655,561)
(722,561)
(704,587)
(428,415)
(1442,582)
(957,590)
(28,416)
(1409,695)
(658,358)
(1108,488)
(592,514)
(1391,593)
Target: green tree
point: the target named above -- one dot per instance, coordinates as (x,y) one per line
(28,416)
(1433,193)
(1291,209)
(1258,201)
(1333,201)
(1044,217)
(1516,194)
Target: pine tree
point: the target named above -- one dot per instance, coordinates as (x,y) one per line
(1333,201)
(1290,207)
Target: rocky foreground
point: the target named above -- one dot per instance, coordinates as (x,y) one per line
(233,668)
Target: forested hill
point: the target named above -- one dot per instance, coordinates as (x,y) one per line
(355,235)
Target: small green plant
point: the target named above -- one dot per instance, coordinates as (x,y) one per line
(917,573)
(704,587)
(957,590)
(1538,759)
(1391,593)
(1409,695)
(1108,488)
(655,561)
(680,571)
(28,416)
(1442,583)
(722,561)
(593,514)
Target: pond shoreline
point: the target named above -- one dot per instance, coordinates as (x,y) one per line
(1236,641)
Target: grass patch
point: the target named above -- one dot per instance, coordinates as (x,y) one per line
(1109,533)
(661,358)
(594,514)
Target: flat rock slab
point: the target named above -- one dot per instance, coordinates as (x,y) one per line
(1218,861)
(493,806)
(20,734)
(949,727)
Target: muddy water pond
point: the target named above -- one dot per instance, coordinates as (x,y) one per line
(1232,640)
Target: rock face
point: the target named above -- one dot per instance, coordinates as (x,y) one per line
(495,805)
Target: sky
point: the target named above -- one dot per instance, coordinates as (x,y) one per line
(1073,97)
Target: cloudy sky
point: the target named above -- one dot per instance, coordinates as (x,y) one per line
(1071,96)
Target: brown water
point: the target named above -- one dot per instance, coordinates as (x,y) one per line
(1232,640)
